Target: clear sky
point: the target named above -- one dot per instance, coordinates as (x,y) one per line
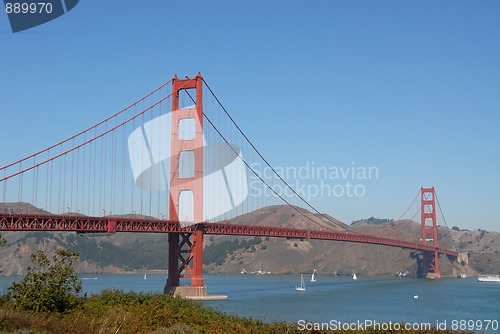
(409,87)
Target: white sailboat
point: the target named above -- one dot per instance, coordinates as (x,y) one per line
(302,286)
(145,276)
(354,276)
(313,278)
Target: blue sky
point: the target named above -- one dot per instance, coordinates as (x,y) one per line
(410,87)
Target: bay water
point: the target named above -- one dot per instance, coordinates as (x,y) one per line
(332,302)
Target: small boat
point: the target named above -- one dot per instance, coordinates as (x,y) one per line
(145,276)
(313,278)
(415,296)
(488,278)
(302,286)
(354,276)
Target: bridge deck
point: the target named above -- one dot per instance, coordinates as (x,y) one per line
(84,224)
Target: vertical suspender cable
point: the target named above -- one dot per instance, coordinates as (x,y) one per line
(77,179)
(113,168)
(132,190)
(20,191)
(64,183)
(72,177)
(34,182)
(101,179)
(47,185)
(152,162)
(4,199)
(94,187)
(105,174)
(59,182)
(91,170)
(84,172)
(123,160)
(159,166)
(142,157)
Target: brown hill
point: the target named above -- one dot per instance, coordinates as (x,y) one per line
(327,257)
(286,216)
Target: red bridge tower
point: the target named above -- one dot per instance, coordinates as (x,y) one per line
(186,249)
(429,232)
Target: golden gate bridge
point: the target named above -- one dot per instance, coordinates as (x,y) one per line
(174,162)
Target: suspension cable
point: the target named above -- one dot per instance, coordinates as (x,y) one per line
(269,165)
(84,131)
(444,219)
(404,213)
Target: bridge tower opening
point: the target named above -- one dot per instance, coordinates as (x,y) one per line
(429,232)
(185,258)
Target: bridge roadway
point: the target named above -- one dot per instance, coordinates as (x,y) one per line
(110,224)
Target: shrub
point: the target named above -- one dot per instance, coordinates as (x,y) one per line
(50,287)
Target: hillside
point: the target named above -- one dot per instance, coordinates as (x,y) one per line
(124,252)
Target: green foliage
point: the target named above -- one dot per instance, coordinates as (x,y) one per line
(217,253)
(131,256)
(103,253)
(38,237)
(483,233)
(52,286)
(100,251)
(373,221)
(115,311)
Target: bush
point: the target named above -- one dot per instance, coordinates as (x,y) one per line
(51,287)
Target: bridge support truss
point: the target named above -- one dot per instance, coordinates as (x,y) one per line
(185,259)
(430,260)
(186,254)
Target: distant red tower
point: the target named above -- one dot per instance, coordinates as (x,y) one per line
(429,232)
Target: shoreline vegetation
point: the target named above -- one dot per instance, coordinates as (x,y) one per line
(115,311)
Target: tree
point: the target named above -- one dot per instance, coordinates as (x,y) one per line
(50,287)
